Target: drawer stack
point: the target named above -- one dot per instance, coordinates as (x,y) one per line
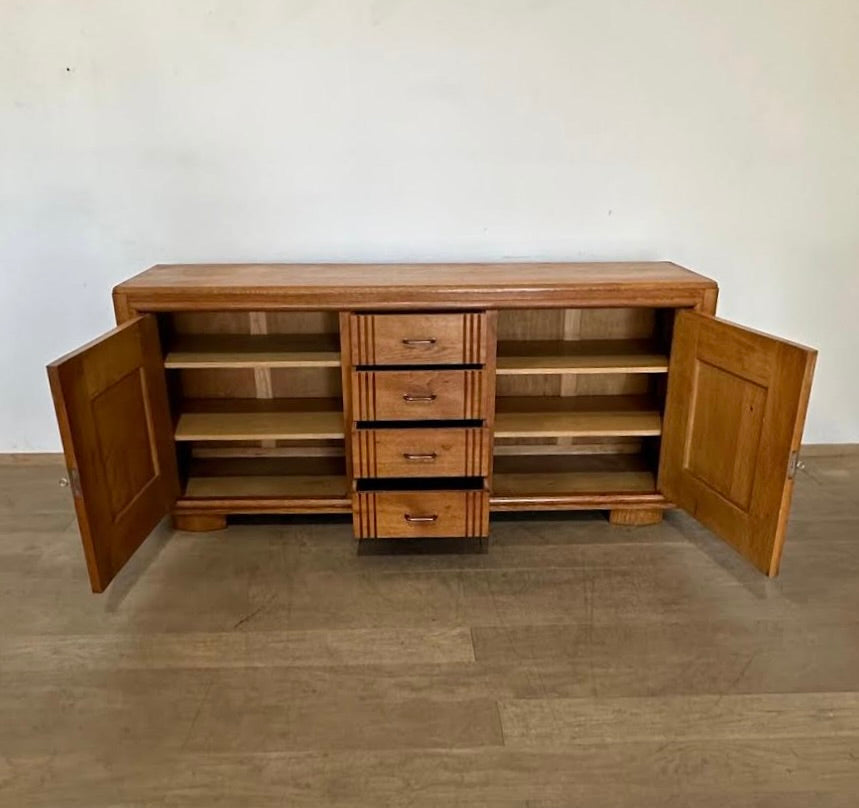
(420,405)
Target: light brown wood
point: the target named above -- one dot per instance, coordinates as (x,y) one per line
(581,367)
(580,357)
(420,396)
(254,351)
(204,426)
(582,416)
(280,419)
(259,382)
(266,484)
(417,395)
(191,287)
(569,446)
(344,322)
(635,516)
(734,415)
(267,487)
(573,324)
(111,403)
(539,475)
(570,385)
(294,449)
(421,514)
(278,504)
(199,522)
(573,482)
(490,390)
(244,322)
(534,484)
(441,452)
(418,339)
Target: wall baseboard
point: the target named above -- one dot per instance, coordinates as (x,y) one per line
(31,458)
(829,449)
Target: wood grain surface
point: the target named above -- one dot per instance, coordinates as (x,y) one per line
(575,664)
(404,286)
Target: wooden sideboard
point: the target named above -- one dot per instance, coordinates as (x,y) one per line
(423,398)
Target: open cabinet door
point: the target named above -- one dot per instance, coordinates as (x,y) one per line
(733,424)
(111,403)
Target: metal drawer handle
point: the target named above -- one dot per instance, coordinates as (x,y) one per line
(419,399)
(428,457)
(428,518)
(415,343)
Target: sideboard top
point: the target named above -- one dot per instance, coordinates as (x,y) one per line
(344,286)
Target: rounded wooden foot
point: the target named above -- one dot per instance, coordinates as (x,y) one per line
(635,516)
(199,522)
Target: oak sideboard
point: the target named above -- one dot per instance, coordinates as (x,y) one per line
(423,398)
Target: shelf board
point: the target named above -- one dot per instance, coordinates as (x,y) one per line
(532,357)
(576,416)
(254,351)
(273,485)
(574,482)
(290,486)
(260,419)
(552,476)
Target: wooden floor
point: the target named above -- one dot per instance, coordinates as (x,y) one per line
(575,664)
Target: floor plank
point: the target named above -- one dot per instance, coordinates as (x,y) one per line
(575,663)
(554,724)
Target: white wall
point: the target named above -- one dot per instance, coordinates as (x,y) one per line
(721,134)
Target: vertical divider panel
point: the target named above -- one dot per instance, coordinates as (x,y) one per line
(490,355)
(346,347)
(258,324)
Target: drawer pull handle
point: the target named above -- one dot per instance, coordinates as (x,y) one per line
(428,518)
(412,399)
(428,457)
(417,343)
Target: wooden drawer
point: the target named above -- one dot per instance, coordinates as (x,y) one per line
(421,514)
(417,395)
(420,452)
(418,339)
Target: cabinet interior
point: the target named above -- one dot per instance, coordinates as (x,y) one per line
(257,405)
(579,400)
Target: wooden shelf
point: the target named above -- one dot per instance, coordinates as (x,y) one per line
(573,483)
(254,351)
(576,416)
(541,476)
(288,487)
(295,484)
(531,357)
(264,419)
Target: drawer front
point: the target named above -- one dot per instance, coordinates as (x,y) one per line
(418,339)
(417,395)
(421,514)
(420,453)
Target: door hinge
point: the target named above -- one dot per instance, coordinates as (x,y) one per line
(793,465)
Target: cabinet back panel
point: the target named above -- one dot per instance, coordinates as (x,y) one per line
(576,324)
(221,383)
(255,322)
(248,383)
(610,384)
(567,446)
(305,383)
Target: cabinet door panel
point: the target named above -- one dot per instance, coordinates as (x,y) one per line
(733,419)
(112,408)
